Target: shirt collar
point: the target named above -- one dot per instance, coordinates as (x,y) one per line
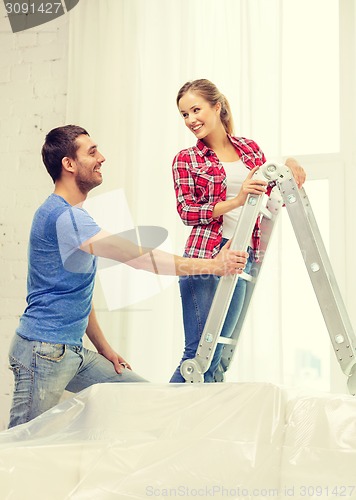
(203,149)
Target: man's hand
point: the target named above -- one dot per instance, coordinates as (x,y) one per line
(297,171)
(96,336)
(119,363)
(230,261)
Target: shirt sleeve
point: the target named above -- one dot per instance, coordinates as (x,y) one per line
(74,226)
(190,210)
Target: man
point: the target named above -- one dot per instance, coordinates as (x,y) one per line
(47,355)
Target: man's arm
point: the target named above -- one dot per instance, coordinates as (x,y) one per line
(103,347)
(156,261)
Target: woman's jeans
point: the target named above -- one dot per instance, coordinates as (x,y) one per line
(197,293)
(43,371)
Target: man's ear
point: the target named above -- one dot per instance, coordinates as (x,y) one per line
(67,164)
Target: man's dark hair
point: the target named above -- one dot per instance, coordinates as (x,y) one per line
(60,142)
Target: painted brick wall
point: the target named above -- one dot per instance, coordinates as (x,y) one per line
(33,87)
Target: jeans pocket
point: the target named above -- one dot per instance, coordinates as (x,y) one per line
(51,352)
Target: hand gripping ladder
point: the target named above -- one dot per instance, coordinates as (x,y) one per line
(316,259)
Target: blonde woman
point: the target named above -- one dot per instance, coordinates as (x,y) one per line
(212,181)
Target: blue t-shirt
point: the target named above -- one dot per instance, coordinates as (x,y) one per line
(60,276)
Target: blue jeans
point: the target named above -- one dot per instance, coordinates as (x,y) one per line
(42,371)
(197,293)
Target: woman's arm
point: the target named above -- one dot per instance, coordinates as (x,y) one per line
(192,211)
(254,186)
(249,186)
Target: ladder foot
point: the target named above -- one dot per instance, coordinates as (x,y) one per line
(351,382)
(191,371)
(219,375)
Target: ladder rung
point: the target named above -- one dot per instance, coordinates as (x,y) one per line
(226,340)
(266,213)
(247,277)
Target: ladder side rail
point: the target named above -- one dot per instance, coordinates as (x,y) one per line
(321,274)
(268,225)
(193,369)
(325,258)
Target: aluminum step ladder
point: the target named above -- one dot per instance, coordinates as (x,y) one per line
(285,191)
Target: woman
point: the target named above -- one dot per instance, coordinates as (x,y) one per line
(212,181)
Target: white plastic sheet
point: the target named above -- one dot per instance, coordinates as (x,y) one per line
(222,441)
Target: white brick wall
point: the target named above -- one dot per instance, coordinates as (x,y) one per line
(33,87)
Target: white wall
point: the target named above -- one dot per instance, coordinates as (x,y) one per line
(33,88)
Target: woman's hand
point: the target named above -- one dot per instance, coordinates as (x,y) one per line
(229,261)
(297,171)
(250,185)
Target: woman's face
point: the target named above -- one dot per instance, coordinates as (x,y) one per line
(199,116)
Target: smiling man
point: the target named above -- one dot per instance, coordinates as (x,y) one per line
(47,354)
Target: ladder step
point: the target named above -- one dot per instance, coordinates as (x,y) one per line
(227,341)
(247,277)
(266,213)
(221,340)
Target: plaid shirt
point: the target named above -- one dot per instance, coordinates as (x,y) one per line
(200,183)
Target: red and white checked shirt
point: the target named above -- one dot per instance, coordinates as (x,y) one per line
(200,183)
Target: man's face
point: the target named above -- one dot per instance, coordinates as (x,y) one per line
(88,163)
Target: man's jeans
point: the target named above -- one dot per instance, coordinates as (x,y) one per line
(43,371)
(197,293)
